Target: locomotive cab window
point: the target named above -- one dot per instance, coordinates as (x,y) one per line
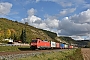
(34,41)
(39,41)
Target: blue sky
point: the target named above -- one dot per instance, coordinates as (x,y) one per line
(64,17)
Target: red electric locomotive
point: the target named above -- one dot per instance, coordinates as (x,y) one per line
(39,44)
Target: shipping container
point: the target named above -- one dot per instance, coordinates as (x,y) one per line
(70,46)
(53,44)
(62,46)
(57,45)
(66,46)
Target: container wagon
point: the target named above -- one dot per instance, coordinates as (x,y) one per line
(71,47)
(57,45)
(66,46)
(53,45)
(62,45)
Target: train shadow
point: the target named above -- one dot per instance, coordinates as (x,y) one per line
(24,49)
(27,49)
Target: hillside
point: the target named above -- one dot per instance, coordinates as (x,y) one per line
(13,29)
(16,30)
(83,43)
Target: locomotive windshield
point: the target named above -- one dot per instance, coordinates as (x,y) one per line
(34,41)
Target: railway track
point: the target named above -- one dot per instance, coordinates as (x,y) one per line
(21,54)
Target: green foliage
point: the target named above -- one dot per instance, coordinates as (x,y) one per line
(13,34)
(74,54)
(77,55)
(88,44)
(7,33)
(12,48)
(8,48)
(4,41)
(67,39)
(83,43)
(14,38)
(51,34)
(1,35)
(23,36)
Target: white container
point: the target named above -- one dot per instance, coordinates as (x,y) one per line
(53,44)
(66,46)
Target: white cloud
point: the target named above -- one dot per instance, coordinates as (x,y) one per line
(31,12)
(37,0)
(62,13)
(86,6)
(52,23)
(67,11)
(42,26)
(46,24)
(70,28)
(77,37)
(77,25)
(67,3)
(5,8)
(87,37)
(83,17)
(32,20)
(64,4)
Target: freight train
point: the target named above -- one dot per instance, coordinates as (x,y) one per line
(44,44)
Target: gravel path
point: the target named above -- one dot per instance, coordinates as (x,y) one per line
(86,53)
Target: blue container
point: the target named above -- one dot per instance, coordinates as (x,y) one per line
(62,45)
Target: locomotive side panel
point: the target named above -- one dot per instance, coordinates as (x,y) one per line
(43,44)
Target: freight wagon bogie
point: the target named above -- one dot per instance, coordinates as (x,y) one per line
(33,47)
(43,47)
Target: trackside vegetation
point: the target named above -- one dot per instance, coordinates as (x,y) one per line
(73,54)
(13,48)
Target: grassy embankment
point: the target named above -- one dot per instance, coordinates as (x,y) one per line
(65,55)
(73,54)
(13,48)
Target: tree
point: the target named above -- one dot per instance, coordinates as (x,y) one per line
(23,36)
(0,37)
(89,44)
(7,33)
(14,37)
(13,34)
